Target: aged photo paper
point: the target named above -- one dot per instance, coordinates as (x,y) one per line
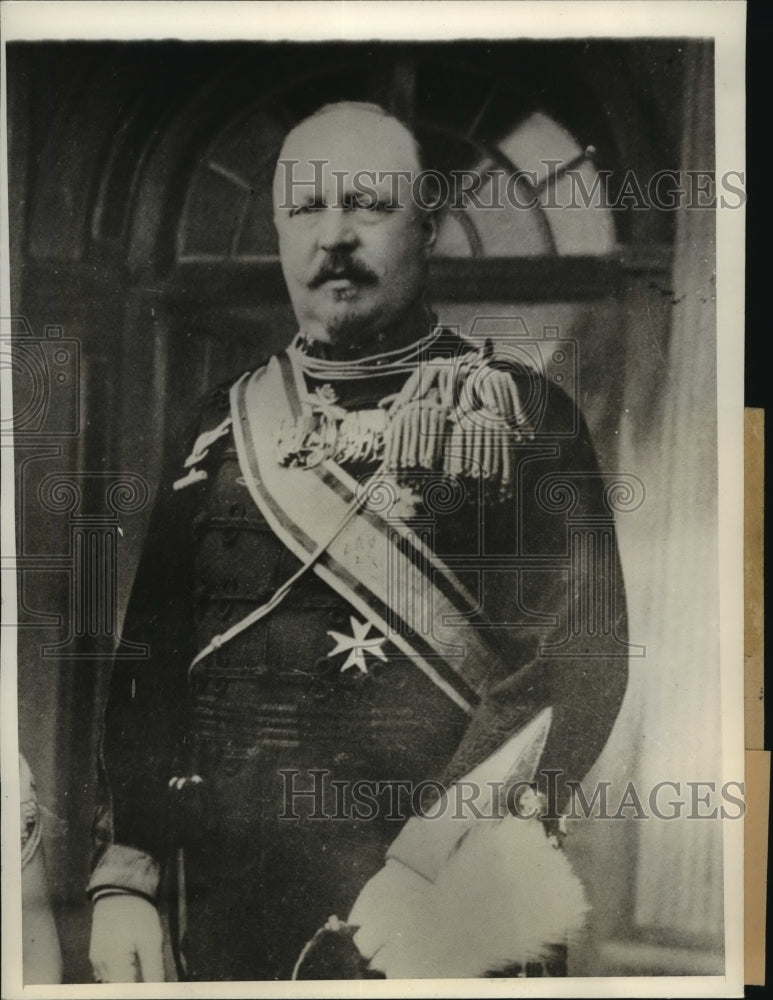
(372,499)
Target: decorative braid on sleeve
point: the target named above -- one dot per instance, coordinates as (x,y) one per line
(125,868)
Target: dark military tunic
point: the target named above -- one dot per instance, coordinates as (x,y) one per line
(274,842)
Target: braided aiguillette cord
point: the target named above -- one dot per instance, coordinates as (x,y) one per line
(401,359)
(218,641)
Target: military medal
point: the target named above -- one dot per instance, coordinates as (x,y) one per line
(357,644)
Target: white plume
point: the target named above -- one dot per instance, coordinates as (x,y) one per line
(506,895)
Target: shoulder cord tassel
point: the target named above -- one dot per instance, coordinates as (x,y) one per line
(416,423)
(203,442)
(462,420)
(487,418)
(199,453)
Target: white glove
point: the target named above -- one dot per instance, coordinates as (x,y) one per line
(126,941)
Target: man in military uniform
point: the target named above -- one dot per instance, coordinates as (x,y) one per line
(355,584)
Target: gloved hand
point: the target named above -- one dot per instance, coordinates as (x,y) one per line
(388,903)
(126,941)
(331,954)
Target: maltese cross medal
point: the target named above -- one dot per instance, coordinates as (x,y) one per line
(357,645)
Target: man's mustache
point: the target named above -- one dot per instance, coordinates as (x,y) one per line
(336,268)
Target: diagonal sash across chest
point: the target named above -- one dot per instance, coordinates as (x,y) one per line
(372,558)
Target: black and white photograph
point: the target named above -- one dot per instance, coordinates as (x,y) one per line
(372,499)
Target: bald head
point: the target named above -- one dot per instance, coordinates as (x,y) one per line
(352,241)
(367,137)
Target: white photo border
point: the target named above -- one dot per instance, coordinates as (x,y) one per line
(724,22)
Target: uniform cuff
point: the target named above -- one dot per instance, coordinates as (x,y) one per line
(126,868)
(426,842)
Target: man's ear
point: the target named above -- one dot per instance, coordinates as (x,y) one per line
(429,227)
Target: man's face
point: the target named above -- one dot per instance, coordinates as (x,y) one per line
(352,241)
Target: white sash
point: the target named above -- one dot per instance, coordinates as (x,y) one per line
(366,554)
